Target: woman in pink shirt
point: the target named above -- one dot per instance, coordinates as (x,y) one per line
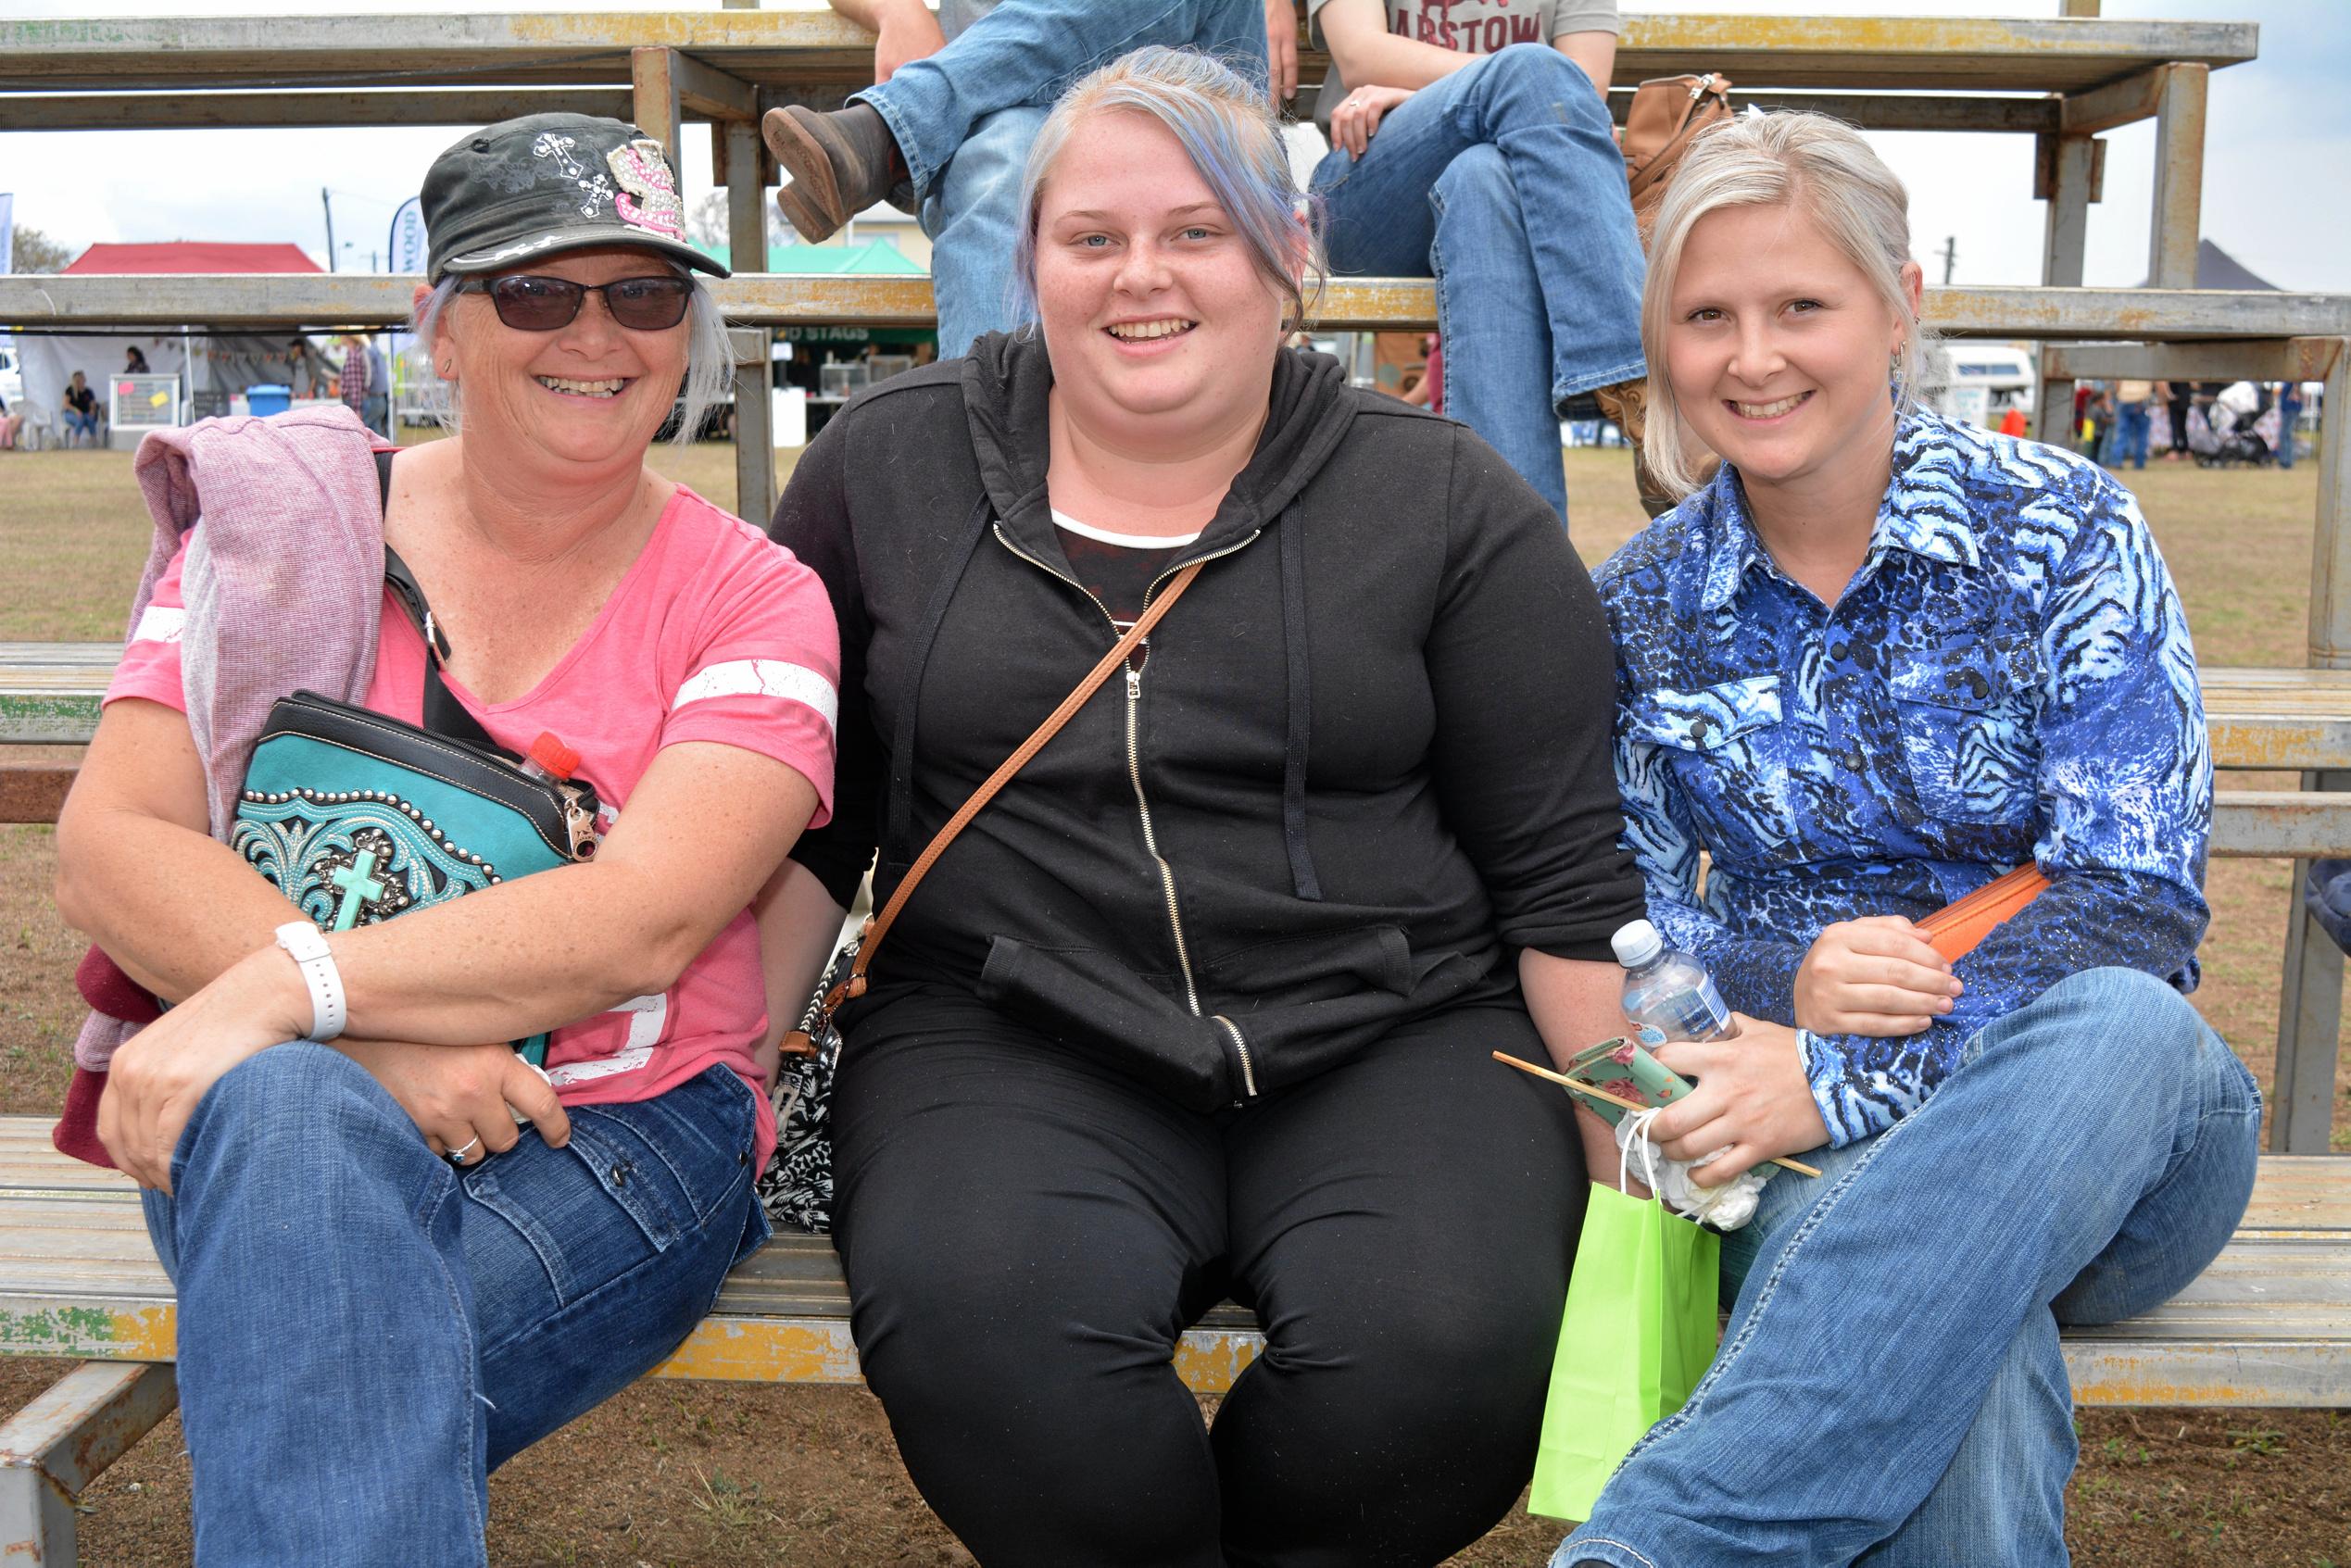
(388,1281)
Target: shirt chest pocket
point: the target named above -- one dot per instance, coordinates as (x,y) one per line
(1727,747)
(1966,744)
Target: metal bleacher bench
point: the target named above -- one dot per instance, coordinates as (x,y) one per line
(2269,1324)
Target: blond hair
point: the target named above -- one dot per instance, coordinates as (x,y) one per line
(1797,160)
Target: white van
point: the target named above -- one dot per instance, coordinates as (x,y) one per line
(11,376)
(1980,381)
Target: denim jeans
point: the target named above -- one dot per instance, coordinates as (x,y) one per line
(965,117)
(81,424)
(1889,1389)
(1504,182)
(2129,443)
(365,1332)
(2288,415)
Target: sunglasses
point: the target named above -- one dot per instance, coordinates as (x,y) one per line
(530,303)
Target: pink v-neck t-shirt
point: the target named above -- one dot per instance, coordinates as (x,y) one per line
(716,634)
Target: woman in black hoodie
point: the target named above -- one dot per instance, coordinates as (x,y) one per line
(1201,1004)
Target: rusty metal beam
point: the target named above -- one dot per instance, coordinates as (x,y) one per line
(2297,359)
(187,111)
(53,1448)
(349,300)
(2066,176)
(2280,823)
(1901,111)
(2134,98)
(2177,220)
(711,98)
(653,73)
(754,381)
(712,93)
(787,49)
(2310,991)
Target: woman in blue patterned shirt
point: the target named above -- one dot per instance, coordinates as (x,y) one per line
(1874,661)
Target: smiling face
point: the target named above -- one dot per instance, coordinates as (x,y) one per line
(1780,348)
(1152,306)
(588,391)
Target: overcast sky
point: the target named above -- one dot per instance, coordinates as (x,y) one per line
(2275,183)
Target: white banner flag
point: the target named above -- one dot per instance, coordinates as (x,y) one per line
(8,231)
(406,249)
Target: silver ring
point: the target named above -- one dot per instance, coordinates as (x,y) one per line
(456,1156)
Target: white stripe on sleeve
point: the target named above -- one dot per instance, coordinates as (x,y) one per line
(159,623)
(762,677)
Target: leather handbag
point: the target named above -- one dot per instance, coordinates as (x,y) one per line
(797,1187)
(357,816)
(1666,114)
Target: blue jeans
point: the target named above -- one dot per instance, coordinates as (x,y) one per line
(1889,1389)
(965,117)
(365,1332)
(1504,182)
(2130,439)
(81,424)
(2288,414)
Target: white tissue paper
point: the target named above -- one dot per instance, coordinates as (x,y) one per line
(1725,1207)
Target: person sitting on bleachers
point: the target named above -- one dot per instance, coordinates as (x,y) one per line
(957,99)
(1877,660)
(1477,150)
(1202,1002)
(81,408)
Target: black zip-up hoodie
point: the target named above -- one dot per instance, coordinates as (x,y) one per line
(1362,761)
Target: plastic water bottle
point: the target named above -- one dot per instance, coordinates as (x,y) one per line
(1668,990)
(549,760)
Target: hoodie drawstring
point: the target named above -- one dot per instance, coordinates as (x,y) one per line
(1301,707)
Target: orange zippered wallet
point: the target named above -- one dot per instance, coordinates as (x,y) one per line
(1954,929)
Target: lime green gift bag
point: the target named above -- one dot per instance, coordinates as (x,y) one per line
(1636,1335)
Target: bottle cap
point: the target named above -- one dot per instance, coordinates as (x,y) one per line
(1637,943)
(554,756)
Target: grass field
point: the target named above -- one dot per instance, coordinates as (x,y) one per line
(721,1475)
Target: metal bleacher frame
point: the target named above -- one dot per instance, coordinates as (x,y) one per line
(2065,81)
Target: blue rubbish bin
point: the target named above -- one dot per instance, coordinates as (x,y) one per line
(265,400)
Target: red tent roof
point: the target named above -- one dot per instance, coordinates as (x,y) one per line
(191,256)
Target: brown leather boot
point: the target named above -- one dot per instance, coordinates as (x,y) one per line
(1628,404)
(840,163)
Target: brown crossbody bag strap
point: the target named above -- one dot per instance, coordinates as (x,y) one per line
(870,939)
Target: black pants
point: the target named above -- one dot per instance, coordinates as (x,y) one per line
(1028,1232)
(2178,409)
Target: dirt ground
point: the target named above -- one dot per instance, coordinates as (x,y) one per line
(723,1475)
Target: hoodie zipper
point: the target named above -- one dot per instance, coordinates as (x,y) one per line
(1142,801)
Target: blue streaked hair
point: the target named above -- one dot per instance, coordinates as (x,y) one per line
(1227,127)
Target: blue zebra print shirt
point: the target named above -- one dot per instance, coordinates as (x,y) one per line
(2008,677)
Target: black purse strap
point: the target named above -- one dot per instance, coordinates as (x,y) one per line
(444,714)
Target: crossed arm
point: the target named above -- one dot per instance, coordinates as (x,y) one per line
(187,918)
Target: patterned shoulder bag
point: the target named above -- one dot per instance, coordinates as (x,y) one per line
(797,1187)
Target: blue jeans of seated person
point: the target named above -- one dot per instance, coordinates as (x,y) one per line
(81,424)
(1504,182)
(965,118)
(1889,1389)
(365,1332)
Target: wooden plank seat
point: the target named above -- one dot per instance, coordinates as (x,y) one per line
(2260,719)
(2269,1324)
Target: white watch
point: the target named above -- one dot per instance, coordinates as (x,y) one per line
(307,946)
